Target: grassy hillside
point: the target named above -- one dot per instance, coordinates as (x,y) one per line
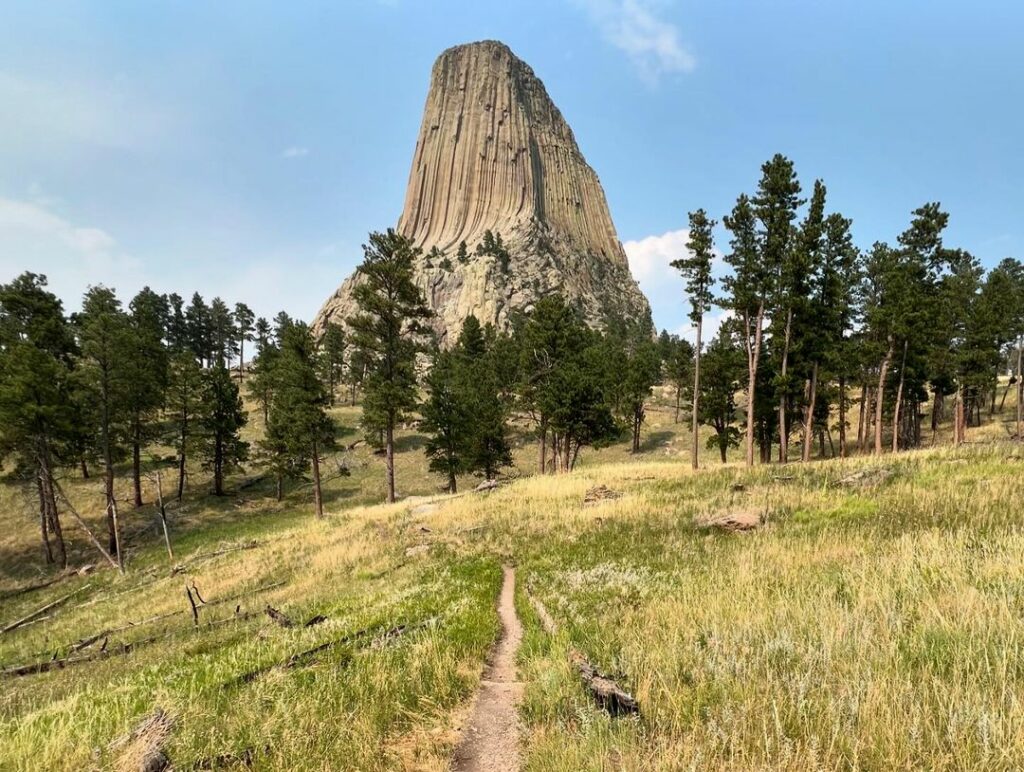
(872,626)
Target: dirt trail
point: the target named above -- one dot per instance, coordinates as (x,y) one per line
(490,740)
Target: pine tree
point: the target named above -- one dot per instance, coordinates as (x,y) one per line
(775,207)
(104,332)
(723,372)
(244,318)
(332,357)
(219,424)
(298,413)
(184,404)
(198,327)
(479,389)
(748,288)
(388,330)
(447,420)
(177,333)
(696,270)
(679,369)
(146,376)
(223,343)
(36,412)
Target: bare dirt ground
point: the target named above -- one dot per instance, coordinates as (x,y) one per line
(490,740)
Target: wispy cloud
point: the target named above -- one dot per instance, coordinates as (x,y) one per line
(73,256)
(652,44)
(295,152)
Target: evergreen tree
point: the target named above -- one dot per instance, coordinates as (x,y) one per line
(199,331)
(723,373)
(223,343)
(36,413)
(146,376)
(298,415)
(244,319)
(332,357)
(104,332)
(748,288)
(480,390)
(184,404)
(696,271)
(261,333)
(388,330)
(177,332)
(775,207)
(219,425)
(679,369)
(447,420)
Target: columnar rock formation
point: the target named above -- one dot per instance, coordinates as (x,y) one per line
(502,203)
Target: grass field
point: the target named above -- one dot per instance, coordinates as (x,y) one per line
(876,626)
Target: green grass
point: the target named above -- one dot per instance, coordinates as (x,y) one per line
(873,628)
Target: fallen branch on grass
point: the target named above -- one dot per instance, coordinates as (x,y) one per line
(307,657)
(605,691)
(278,617)
(181,567)
(26,619)
(104,652)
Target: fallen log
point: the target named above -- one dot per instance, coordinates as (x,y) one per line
(26,619)
(249,545)
(278,617)
(605,691)
(105,652)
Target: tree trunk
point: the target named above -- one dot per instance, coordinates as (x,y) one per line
(318,498)
(753,355)
(137,463)
(678,396)
(241,358)
(842,417)
(696,395)
(783,434)
(637,422)
(84,466)
(937,405)
(452,482)
(862,416)
(218,465)
(809,420)
(958,417)
(279,486)
(899,400)
(1020,389)
(163,514)
(879,396)
(542,459)
(389,458)
(181,465)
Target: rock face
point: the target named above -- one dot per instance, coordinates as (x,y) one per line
(497,169)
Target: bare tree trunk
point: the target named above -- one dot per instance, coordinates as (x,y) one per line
(809,419)
(678,396)
(96,542)
(842,418)
(1020,388)
(879,396)
(44,519)
(163,514)
(318,498)
(899,401)
(783,400)
(84,467)
(389,459)
(937,407)
(181,467)
(753,355)
(862,416)
(279,486)
(137,464)
(696,395)
(542,459)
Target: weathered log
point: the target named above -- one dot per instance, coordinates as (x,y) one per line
(278,617)
(28,618)
(606,693)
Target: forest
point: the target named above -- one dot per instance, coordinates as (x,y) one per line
(820,336)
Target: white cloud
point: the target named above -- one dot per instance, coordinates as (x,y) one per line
(72,256)
(634,27)
(295,152)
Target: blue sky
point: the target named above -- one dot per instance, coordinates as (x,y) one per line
(245,149)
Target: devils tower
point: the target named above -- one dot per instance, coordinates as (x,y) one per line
(502,203)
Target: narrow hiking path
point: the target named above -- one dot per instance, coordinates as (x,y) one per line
(490,739)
